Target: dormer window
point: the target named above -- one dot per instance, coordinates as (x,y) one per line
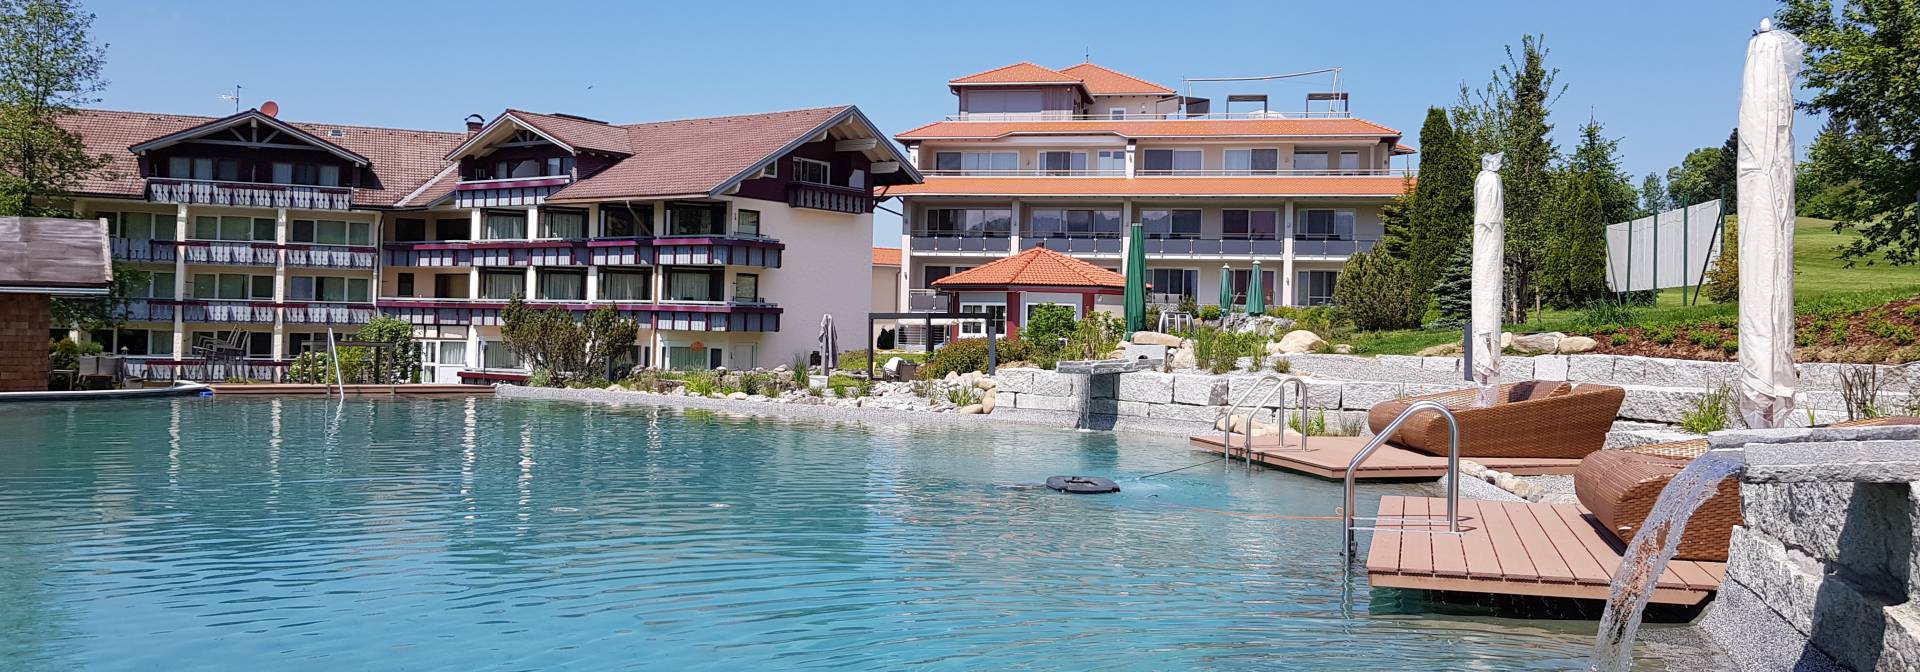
(811,171)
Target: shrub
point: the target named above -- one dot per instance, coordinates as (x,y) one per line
(541,378)
(1723,280)
(1911,312)
(1048,324)
(885,340)
(970,354)
(1606,314)
(1282,365)
(963,395)
(1709,412)
(66,353)
(1663,336)
(1316,423)
(1209,313)
(1620,339)
(865,387)
(798,373)
(1377,292)
(1192,307)
(703,383)
(1704,339)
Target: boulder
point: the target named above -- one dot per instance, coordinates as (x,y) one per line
(1300,341)
(988,401)
(1449,349)
(615,387)
(1574,345)
(984,383)
(1343,349)
(951,379)
(1155,338)
(738,396)
(1506,340)
(1537,344)
(1183,359)
(970,409)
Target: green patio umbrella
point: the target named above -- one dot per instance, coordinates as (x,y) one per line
(1256,301)
(1226,289)
(1136,279)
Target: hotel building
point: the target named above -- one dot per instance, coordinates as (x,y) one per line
(719,236)
(1068,158)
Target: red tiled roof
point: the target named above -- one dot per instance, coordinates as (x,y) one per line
(1102,81)
(886,256)
(1149,128)
(402,159)
(693,156)
(1402,150)
(1382,186)
(1036,267)
(1019,73)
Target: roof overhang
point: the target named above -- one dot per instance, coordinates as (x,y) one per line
(503,123)
(50,290)
(246,118)
(851,114)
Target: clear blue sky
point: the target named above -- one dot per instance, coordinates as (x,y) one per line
(1664,77)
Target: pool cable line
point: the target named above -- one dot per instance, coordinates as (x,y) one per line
(1190,466)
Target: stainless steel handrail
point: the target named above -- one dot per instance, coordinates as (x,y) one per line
(1280,383)
(1453,472)
(1226,429)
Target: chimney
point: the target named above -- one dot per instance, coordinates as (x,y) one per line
(474,122)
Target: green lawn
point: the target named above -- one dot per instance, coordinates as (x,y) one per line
(1821,282)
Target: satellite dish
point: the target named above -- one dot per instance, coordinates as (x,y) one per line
(270,108)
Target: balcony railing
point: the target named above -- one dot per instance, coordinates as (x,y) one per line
(922,243)
(1145,116)
(327,256)
(1209,247)
(248,194)
(926,301)
(1331,248)
(1196,172)
(228,311)
(328,313)
(168,368)
(134,249)
(1109,245)
(825,197)
(238,254)
(148,310)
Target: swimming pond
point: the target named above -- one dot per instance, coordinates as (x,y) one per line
(484,534)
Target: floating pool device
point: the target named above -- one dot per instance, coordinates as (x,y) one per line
(1082,485)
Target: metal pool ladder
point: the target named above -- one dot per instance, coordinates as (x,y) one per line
(1453,477)
(1279,387)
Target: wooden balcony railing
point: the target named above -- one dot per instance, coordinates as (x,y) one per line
(248,194)
(825,197)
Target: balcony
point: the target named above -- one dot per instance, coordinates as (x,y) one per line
(330,256)
(993,244)
(831,198)
(148,310)
(507,192)
(1142,116)
(1334,249)
(168,368)
(1210,172)
(674,315)
(328,313)
(1214,247)
(248,194)
(232,312)
(718,250)
(1088,245)
(230,254)
(520,253)
(131,249)
(926,301)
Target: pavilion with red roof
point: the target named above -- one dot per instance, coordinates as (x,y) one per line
(1012,285)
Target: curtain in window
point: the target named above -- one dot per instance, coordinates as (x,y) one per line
(564,224)
(747,223)
(496,355)
(499,225)
(563,286)
(160,342)
(357,290)
(682,358)
(623,286)
(300,287)
(746,287)
(233,286)
(453,352)
(502,285)
(689,287)
(359,233)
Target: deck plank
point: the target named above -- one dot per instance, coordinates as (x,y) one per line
(1546,558)
(1691,574)
(1590,536)
(1416,547)
(1507,547)
(1449,554)
(1476,545)
(1328,456)
(1579,559)
(1383,553)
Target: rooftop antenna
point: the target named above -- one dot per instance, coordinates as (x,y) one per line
(1086,54)
(235,97)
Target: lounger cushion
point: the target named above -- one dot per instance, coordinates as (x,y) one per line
(1541,419)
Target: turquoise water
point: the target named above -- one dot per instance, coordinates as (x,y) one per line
(481,534)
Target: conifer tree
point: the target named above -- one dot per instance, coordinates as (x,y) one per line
(1441,212)
(1453,292)
(1527,85)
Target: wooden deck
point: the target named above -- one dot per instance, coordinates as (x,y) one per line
(223,389)
(1509,548)
(1328,456)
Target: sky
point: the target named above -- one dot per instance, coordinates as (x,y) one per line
(1663,77)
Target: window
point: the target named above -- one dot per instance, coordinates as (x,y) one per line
(331,232)
(929,274)
(1052,223)
(329,176)
(450,285)
(282,172)
(502,285)
(1116,113)
(1349,161)
(504,225)
(560,165)
(235,228)
(403,285)
(1309,160)
(1028,309)
(180,167)
(1239,285)
(996,314)
(1111,162)
(451,352)
(626,221)
(409,230)
(811,171)
(979,223)
(1324,225)
(1170,285)
(306,173)
(696,219)
(1171,161)
(684,358)
(203,169)
(1171,224)
(563,224)
(159,285)
(626,285)
(1314,288)
(558,285)
(1063,163)
(328,288)
(1250,224)
(230,286)
(1253,161)
(692,285)
(746,288)
(771,170)
(206,228)
(1003,102)
(227,169)
(496,355)
(140,225)
(453,229)
(746,223)
(978,162)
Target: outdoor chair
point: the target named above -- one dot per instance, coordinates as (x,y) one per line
(234,345)
(1534,418)
(1620,488)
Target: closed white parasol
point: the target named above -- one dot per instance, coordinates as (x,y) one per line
(1766,227)
(1489,261)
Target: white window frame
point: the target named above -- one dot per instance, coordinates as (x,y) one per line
(1175,169)
(1117,156)
(1329,154)
(1026,309)
(1041,161)
(1226,160)
(826,171)
(771,170)
(975,329)
(1117,113)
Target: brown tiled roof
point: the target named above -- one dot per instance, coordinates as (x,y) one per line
(1150,128)
(578,133)
(1036,267)
(1102,81)
(43,253)
(1019,73)
(1383,186)
(886,256)
(693,156)
(402,159)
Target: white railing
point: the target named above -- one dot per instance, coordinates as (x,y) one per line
(249,194)
(231,311)
(1211,172)
(328,313)
(229,253)
(1146,116)
(329,257)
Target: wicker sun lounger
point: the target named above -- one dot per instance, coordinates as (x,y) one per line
(1620,487)
(1536,418)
